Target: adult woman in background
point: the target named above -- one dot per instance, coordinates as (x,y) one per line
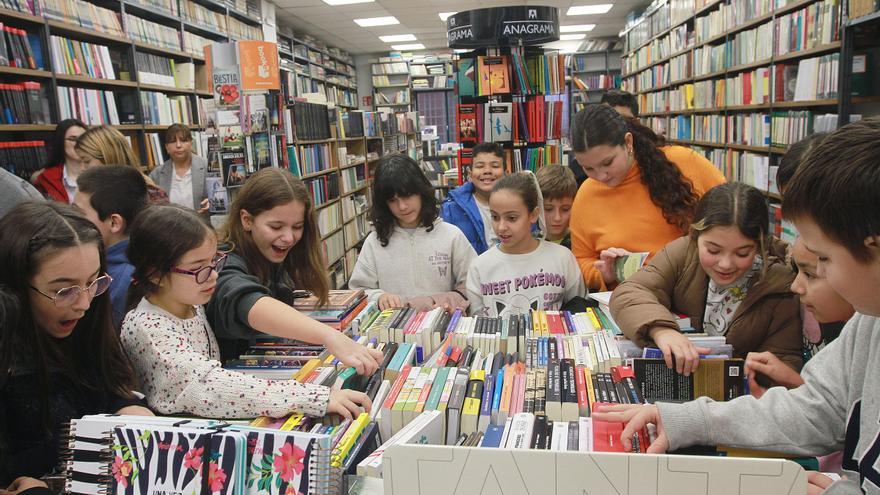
(639,196)
(183,174)
(105,145)
(58,179)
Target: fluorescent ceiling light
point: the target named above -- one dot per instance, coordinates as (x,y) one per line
(586,9)
(577,28)
(563,46)
(461,50)
(394,38)
(570,37)
(445,15)
(411,46)
(376,21)
(346,2)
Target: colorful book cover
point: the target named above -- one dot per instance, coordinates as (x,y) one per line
(216,194)
(261,150)
(149,460)
(259,65)
(467,123)
(626,266)
(278,461)
(465,77)
(234,167)
(226,463)
(499,122)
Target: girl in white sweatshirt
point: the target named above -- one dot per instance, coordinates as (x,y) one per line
(412,257)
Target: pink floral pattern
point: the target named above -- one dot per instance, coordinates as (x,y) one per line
(193,459)
(290,462)
(216,477)
(292,491)
(121,471)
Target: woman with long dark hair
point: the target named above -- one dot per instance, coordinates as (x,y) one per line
(58,179)
(412,257)
(640,194)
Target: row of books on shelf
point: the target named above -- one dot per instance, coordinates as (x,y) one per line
(383,80)
(353,178)
(96,106)
(194,44)
(16,49)
(84,14)
(775,129)
(310,158)
(531,119)
(399,97)
(323,188)
(811,79)
(23,158)
(433,82)
(744,166)
(24,103)
(329,219)
(169,6)
(85,59)
(676,41)
(516,74)
(861,8)
(31,7)
(160,108)
(391,68)
(601,81)
(204,16)
(333,248)
(162,71)
(152,33)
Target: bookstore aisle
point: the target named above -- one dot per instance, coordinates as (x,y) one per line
(501,403)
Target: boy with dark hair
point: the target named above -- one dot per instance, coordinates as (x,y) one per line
(558,187)
(111,196)
(467,206)
(624,102)
(792,158)
(833,200)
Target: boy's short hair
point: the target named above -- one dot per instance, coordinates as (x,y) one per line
(115,189)
(491,148)
(176,131)
(620,98)
(557,182)
(792,158)
(837,186)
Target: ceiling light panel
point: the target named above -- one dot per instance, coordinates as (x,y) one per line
(394,38)
(377,21)
(586,9)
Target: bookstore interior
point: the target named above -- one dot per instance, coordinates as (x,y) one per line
(332,89)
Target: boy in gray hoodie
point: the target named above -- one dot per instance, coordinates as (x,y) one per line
(835,204)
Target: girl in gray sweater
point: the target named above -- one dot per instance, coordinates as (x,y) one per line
(412,257)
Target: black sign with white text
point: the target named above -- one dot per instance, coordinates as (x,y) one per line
(503,26)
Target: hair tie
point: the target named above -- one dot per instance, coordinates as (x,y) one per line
(542,222)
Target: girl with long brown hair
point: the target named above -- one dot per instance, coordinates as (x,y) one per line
(274,246)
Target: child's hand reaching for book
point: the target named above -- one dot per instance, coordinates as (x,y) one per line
(605,265)
(450,301)
(673,344)
(767,364)
(635,417)
(388,301)
(348,403)
(817,483)
(135,411)
(365,361)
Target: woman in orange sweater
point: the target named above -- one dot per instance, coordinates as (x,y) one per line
(639,195)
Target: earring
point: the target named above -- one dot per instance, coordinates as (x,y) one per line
(630,152)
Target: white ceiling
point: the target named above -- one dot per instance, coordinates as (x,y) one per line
(335,25)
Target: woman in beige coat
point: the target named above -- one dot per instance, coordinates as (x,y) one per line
(729,277)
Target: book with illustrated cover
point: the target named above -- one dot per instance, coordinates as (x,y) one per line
(233,165)
(499,122)
(494,75)
(467,123)
(626,266)
(465,76)
(336,299)
(262,156)
(257,113)
(216,192)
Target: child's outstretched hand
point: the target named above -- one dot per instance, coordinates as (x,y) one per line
(606,262)
(450,301)
(767,364)
(348,403)
(389,301)
(636,417)
(365,361)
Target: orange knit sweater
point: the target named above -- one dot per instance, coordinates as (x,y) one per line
(625,217)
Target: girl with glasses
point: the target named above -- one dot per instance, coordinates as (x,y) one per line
(61,359)
(169,339)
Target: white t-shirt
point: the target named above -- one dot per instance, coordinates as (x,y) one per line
(500,284)
(488,231)
(181,192)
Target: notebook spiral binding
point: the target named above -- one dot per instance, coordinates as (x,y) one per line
(324,479)
(103,482)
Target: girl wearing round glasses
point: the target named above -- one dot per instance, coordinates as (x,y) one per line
(62,359)
(174,351)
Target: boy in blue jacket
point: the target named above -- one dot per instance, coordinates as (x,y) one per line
(467,206)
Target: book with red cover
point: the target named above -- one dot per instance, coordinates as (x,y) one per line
(467,123)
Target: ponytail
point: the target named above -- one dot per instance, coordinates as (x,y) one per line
(669,189)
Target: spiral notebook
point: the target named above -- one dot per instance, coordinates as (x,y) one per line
(136,455)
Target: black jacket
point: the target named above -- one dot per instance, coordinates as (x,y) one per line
(30,447)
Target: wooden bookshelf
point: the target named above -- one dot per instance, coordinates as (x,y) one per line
(640,59)
(595,63)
